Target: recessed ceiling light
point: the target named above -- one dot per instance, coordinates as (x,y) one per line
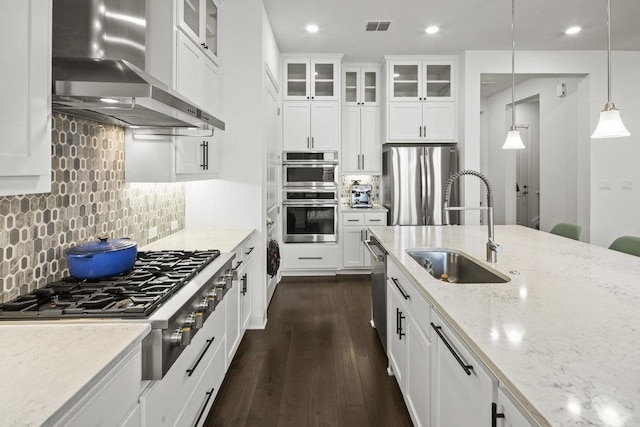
(573,30)
(312,28)
(432,29)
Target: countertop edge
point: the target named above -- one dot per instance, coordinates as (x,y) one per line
(78,395)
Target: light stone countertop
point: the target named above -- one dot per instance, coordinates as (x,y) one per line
(46,368)
(224,240)
(563,335)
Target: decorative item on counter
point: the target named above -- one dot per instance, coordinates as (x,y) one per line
(102,258)
(360,195)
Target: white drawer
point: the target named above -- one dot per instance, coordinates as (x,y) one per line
(352,218)
(375,218)
(164,400)
(415,303)
(311,256)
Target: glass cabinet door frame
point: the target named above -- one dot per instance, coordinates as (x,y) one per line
(361,86)
(425,81)
(199,35)
(313,80)
(407,82)
(310,81)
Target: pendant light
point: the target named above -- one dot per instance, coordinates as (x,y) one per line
(513,141)
(610,124)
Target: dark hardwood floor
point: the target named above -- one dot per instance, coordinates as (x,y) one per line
(317,363)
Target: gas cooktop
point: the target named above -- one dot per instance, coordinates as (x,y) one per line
(155,276)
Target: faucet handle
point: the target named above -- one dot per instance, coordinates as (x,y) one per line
(494,246)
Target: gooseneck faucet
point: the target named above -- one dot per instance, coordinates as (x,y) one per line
(492,247)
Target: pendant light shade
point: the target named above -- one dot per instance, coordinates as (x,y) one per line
(513,141)
(610,124)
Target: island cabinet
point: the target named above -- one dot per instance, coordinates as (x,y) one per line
(354,234)
(421,99)
(409,344)
(25,113)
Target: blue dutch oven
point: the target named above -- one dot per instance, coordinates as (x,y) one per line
(102,258)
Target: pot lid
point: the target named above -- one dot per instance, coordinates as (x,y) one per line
(102,245)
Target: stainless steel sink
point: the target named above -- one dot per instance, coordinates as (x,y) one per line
(450,265)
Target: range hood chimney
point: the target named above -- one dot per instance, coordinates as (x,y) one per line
(98,69)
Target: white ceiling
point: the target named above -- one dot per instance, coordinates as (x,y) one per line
(464,25)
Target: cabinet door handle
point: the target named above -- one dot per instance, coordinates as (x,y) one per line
(353,220)
(425,131)
(206,402)
(399,318)
(420,129)
(206,157)
(397,283)
(309,257)
(308,143)
(362,161)
(313,143)
(495,415)
(244,284)
(203,165)
(234,269)
(191,370)
(250,250)
(465,367)
(375,220)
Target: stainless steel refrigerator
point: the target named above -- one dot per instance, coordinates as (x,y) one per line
(413,182)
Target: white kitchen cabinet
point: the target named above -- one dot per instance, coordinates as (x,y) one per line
(361,147)
(462,391)
(198,19)
(163,401)
(25,113)
(311,125)
(113,399)
(305,258)
(421,99)
(354,234)
(418,378)
(507,413)
(415,121)
(232,322)
(312,79)
(397,334)
(360,85)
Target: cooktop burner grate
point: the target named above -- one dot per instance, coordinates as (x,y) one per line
(155,277)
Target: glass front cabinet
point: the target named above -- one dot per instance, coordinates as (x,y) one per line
(198,19)
(360,85)
(311,79)
(421,80)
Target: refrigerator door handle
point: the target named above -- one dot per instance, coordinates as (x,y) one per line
(423,185)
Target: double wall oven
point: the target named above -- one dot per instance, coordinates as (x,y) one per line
(310,197)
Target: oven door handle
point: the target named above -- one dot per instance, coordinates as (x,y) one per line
(309,204)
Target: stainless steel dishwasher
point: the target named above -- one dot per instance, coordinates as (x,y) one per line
(378,288)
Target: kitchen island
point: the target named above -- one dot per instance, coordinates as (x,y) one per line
(562,336)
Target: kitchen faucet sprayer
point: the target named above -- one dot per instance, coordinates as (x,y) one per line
(492,247)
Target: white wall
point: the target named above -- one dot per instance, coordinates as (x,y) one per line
(557,142)
(237,199)
(610,213)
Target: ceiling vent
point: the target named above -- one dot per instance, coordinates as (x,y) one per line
(377,25)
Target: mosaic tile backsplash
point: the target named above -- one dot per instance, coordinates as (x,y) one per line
(347,180)
(89,197)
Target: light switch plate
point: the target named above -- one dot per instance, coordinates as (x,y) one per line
(605,185)
(153,232)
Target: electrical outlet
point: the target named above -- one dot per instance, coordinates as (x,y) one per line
(153,232)
(627,185)
(605,185)
(174,225)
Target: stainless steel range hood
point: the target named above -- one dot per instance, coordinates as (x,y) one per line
(98,60)
(117,92)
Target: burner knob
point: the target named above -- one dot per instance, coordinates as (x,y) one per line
(221,284)
(207,304)
(213,293)
(195,320)
(181,336)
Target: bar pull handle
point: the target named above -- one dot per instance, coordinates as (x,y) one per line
(206,402)
(244,284)
(191,370)
(465,367)
(420,129)
(203,165)
(362,161)
(309,257)
(397,283)
(495,415)
(250,250)
(400,329)
(308,143)
(313,143)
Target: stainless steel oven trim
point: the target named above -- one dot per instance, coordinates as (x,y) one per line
(334,161)
(309,184)
(311,237)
